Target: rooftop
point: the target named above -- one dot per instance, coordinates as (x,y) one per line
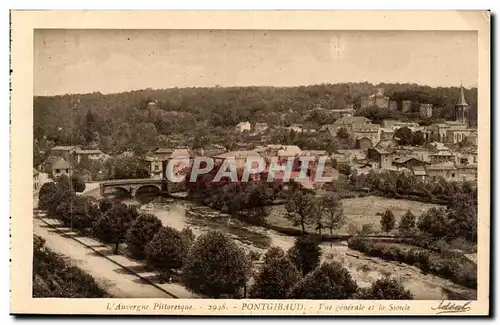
(351,120)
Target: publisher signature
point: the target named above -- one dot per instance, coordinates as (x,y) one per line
(451,307)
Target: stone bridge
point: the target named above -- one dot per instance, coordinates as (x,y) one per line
(131,186)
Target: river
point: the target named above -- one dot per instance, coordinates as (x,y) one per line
(365,270)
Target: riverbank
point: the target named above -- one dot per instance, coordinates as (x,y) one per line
(364,269)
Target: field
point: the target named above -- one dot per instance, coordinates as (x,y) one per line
(360,211)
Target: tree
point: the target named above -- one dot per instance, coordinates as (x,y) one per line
(385,289)
(328,281)
(418,138)
(305,254)
(299,207)
(407,223)
(77,184)
(167,249)
(215,266)
(48,195)
(334,214)
(79,212)
(277,276)
(404,136)
(434,222)
(387,221)
(113,225)
(140,233)
(342,133)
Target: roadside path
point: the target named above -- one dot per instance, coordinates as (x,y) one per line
(116,280)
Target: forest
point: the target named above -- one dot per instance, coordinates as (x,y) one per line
(198,116)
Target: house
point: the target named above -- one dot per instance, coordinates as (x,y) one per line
(348,122)
(439,153)
(243,126)
(370,131)
(456,135)
(447,170)
(395,124)
(467,173)
(466,156)
(418,171)
(240,157)
(386,134)
(407,162)
(289,151)
(90,154)
(349,156)
(438,131)
(160,157)
(364,143)
(64,151)
(425,110)
(56,166)
(36,180)
(261,127)
(381,158)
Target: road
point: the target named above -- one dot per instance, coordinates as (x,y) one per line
(112,278)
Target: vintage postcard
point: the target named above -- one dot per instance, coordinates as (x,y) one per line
(250,163)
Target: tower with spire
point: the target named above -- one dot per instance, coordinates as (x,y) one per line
(462,108)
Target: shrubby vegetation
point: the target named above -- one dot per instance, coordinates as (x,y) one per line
(448,264)
(140,233)
(385,289)
(53,277)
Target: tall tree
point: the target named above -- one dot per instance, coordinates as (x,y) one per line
(113,225)
(141,232)
(299,208)
(328,281)
(333,212)
(305,253)
(215,266)
(407,223)
(387,221)
(277,276)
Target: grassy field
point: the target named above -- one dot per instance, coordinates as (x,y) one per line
(360,211)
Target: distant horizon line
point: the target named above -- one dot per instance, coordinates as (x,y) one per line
(252,86)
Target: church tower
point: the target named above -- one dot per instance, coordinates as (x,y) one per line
(462,108)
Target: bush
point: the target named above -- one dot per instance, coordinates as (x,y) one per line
(277,276)
(455,267)
(140,233)
(385,289)
(328,281)
(167,249)
(215,266)
(305,254)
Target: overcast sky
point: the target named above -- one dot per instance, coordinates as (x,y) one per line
(83,61)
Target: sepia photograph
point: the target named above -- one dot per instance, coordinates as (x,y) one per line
(265,166)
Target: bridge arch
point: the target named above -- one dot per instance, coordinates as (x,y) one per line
(116,190)
(147,188)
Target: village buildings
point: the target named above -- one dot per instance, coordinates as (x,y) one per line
(56,166)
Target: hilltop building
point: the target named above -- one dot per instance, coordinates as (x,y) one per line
(378,99)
